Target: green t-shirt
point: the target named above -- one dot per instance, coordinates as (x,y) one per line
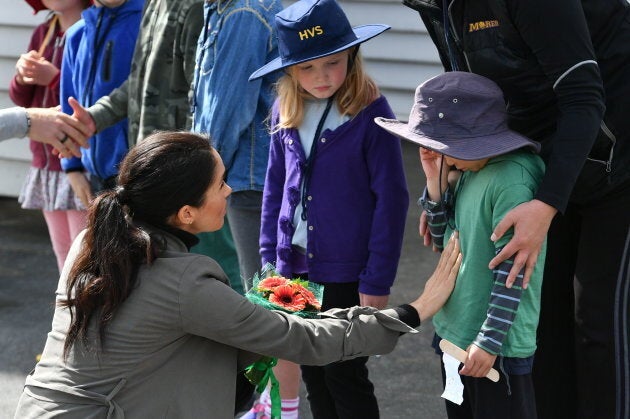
(482,199)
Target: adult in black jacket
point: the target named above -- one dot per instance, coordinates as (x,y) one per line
(560,65)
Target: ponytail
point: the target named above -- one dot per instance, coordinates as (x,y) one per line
(104,273)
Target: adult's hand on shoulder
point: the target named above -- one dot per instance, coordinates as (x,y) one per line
(531,222)
(441,283)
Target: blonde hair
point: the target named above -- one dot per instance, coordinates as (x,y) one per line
(357,91)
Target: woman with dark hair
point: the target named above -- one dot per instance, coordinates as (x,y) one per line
(143,328)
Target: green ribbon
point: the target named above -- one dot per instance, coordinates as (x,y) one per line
(260,373)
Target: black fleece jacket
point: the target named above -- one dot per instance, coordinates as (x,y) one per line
(550,59)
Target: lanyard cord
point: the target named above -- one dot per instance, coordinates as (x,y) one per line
(447,36)
(308,167)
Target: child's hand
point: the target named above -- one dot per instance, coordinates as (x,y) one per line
(478,362)
(425,233)
(34,69)
(376,301)
(431,162)
(87,125)
(81,187)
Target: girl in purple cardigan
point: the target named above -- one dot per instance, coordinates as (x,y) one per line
(335,196)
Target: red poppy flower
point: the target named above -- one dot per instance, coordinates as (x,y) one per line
(284,296)
(268,284)
(309,297)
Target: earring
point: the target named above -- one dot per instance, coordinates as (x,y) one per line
(190,222)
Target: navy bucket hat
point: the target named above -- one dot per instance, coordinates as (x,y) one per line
(310,29)
(461,115)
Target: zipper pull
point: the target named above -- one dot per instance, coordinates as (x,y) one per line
(608,166)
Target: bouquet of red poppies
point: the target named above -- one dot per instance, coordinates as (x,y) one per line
(275,292)
(293,296)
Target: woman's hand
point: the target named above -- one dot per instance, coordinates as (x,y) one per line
(478,362)
(81,187)
(531,222)
(440,285)
(34,69)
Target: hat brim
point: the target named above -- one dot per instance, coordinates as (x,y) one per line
(363,33)
(467,148)
(37,5)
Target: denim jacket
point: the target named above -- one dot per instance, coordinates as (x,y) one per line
(357,203)
(238,36)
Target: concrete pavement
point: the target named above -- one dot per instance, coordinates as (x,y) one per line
(407,381)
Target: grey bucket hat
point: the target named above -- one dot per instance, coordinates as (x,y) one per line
(461,115)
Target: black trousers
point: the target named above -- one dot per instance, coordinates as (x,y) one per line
(512,397)
(341,390)
(581,366)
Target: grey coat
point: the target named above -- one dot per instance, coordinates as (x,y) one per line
(175,345)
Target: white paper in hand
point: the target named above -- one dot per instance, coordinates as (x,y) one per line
(454,388)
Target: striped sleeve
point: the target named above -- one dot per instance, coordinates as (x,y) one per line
(437,217)
(502,309)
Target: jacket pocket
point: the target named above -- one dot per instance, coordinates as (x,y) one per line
(107,61)
(206,54)
(603,149)
(596,178)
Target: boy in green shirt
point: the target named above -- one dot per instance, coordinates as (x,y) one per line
(477,170)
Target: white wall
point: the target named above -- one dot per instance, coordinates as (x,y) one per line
(16,25)
(398,60)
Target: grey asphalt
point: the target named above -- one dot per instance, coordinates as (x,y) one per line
(407,381)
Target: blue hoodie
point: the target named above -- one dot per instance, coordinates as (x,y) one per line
(97,59)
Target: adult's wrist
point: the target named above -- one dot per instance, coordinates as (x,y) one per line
(547,211)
